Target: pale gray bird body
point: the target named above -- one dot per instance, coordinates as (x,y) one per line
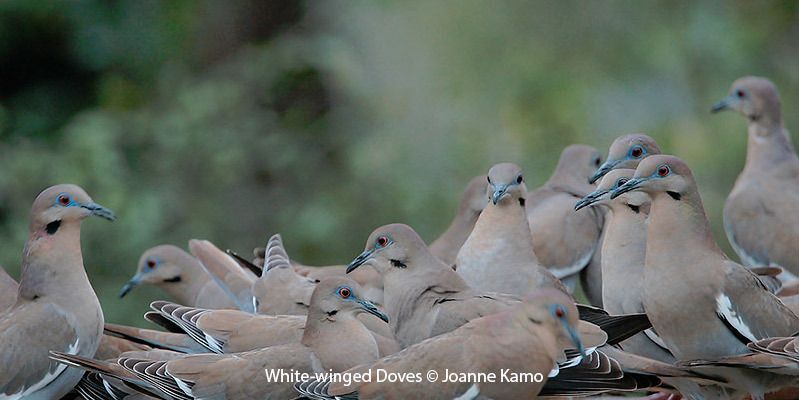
(447,246)
(423,297)
(761,216)
(178,273)
(564,241)
(333,339)
(56,307)
(498,256)
(702,305)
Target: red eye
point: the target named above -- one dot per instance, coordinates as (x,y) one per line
(740,93)
(637,152)
(663,170)
(63,200)
(344,293)
(150,264)
(382,241)
(559,312)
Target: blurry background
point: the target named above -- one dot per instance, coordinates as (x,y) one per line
(233,120)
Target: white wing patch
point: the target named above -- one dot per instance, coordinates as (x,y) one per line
(725,309)
(46,380)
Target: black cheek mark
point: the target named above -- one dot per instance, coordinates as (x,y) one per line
(636,209)
(173,280)
(52,227)
(535,321)
(521,201)
(398,264)
(674,195)
(332,313)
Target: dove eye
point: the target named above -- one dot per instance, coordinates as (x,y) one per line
(519,179)
(663,170)
(596,162)
(621,181)
(382,241)
(151,264)
(559,312)
(740,93)
(63,199)
(344,293)
(636,152)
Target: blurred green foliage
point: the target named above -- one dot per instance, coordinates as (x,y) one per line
(230,121)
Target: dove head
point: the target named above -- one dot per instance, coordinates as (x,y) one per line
(626,152)
(754,97)
(506,184)
(161,265)
(658,175)
(334,297)
(578,161)
(391,247)
(556,311)
(63,204)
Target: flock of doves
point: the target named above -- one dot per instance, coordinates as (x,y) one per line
(670,313)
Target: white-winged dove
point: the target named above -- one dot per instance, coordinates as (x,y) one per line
(498,256)
(760,214)
(56,307)
(180,275)
(422,296)
(564,241)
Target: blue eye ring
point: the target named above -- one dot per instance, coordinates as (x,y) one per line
(620,181)
(344,292)
(64,200)
(636,151)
